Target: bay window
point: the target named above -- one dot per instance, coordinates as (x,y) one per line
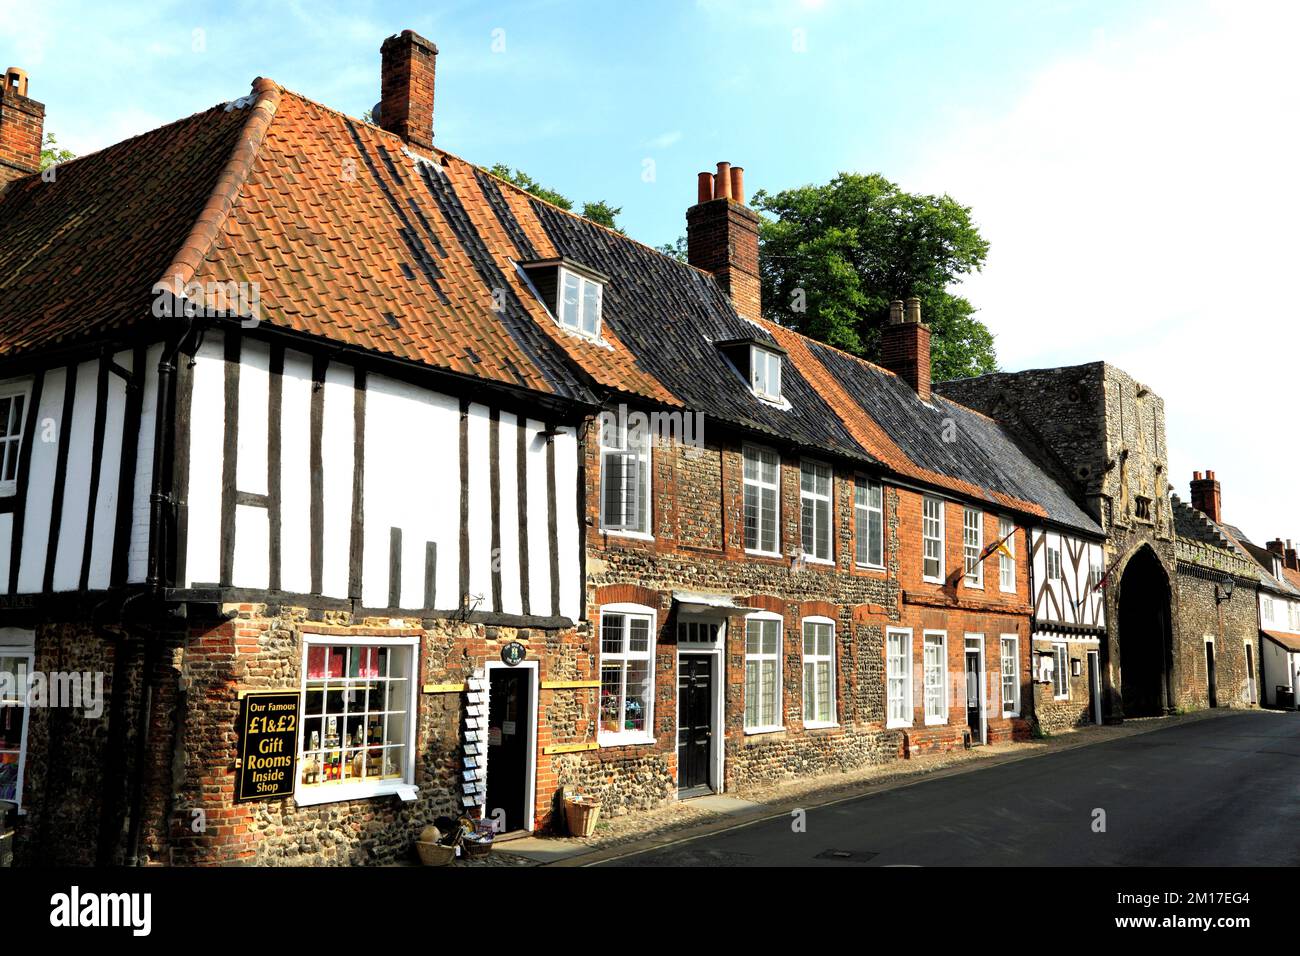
(626,675)
(762,499)
(762,673)
(898,677)
(815,518)
(869,523)
(818,672)
(357,718)
(932,540)
(624,477)
(935,662)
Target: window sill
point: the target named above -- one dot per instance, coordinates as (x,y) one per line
(763,554)
(820,725)
(754,731)
(631,740)
(869,567)
(809,559)
(898,725)
(1007,591)
(973,585)
(1060,697)
(317,795)
(633,535)
(936,721)
(1010,716)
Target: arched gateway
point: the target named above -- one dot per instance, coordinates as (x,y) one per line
(1145,636)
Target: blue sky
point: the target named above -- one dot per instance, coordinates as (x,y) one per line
(1132,163)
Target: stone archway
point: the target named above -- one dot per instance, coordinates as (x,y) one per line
(1145,636)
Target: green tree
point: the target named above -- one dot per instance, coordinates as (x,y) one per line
(834,256)
(676,249)
(597,211)
(51,154)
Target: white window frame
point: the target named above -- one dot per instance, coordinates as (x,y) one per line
(933,717)
(816,468)
(308,795)
(11,443)
(623,434)
(863,509)
(972,546)
(1014,658)
(777,659)
(905,635)
(1060,670)
(25,652)
(1007,565)
(1053,561)
(770,364)
(927,538)
(583,283)
(757,452)
(623,738)
(816,660)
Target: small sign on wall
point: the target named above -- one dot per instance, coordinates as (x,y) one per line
(268,745)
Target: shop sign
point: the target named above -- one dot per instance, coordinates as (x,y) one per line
(268,745)
(513,653)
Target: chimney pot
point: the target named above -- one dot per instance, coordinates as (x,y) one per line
(896,312)
(913,305)
(738,184)
(705,187)
(22,128)
(722,182)
(406,87)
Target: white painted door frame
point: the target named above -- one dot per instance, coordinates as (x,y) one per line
(717,699)
(982,677)
(531,771)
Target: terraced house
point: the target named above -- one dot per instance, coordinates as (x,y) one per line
(504,501)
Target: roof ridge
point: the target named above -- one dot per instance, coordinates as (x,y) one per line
(233,175)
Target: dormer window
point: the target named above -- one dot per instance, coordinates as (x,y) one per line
(580,303)
(572,292)
(765,373)
(758,362)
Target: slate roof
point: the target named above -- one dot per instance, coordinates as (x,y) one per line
(353,238)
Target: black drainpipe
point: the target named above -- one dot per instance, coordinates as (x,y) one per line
(160,499)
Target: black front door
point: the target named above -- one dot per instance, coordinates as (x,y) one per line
(973,696)
(1211,681)
(694,720)
(1094,688)
(509,731)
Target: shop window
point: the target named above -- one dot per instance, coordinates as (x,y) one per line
(626,676)
(358,718)
(15,670)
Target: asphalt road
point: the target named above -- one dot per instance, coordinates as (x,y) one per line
(1218,792)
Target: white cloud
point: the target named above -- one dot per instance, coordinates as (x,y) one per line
(664,140)
(1140,201)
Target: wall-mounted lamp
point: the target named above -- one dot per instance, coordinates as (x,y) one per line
(1223,591)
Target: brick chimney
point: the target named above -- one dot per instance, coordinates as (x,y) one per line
(905,346)
(722,237)
(22,126)
(1291,560)
(1205,495)
(1277,547)
(406,88)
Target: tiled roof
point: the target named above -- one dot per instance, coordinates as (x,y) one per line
(350,236)
(1290,641)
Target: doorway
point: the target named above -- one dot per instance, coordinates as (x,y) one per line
(694,723)
(975,688)
(1251,693)
(1145,640)
(1211,680)
(1094,685)
(509,779)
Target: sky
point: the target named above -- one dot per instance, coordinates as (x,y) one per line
(1131,163)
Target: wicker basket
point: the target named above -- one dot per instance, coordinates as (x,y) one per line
(476,849)
(435,854)
(581,814)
